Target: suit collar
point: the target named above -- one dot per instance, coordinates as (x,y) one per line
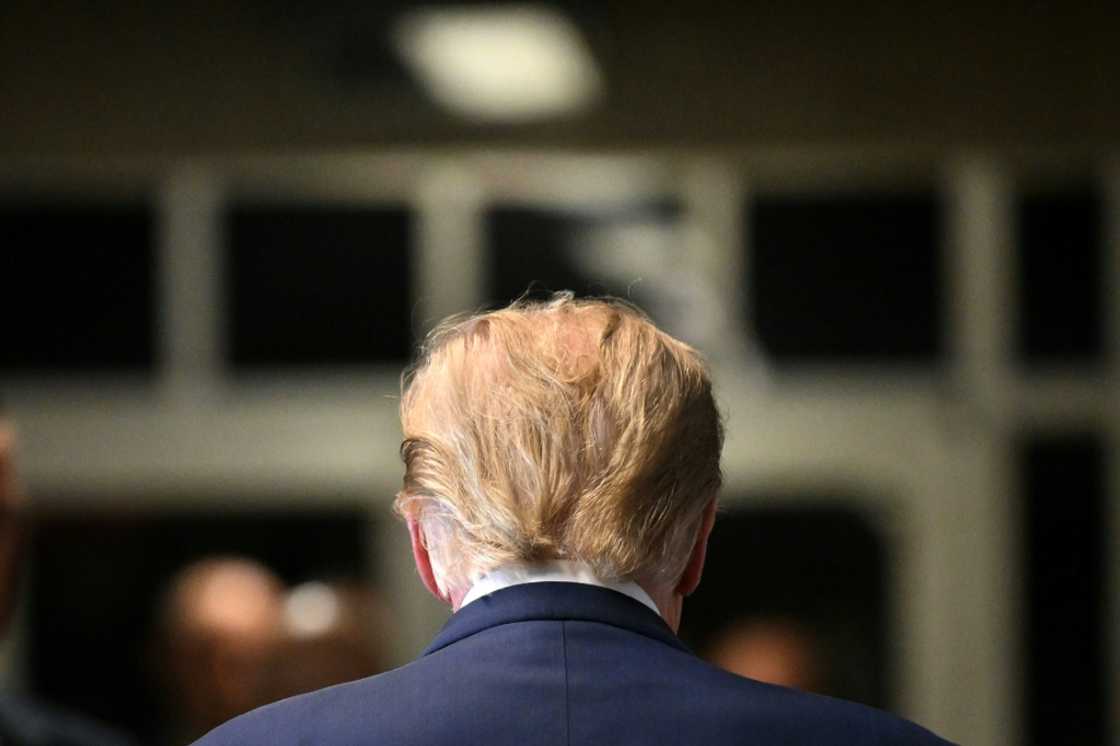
(555,571)
(554,601)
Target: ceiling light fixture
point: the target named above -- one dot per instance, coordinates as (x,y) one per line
(499,64)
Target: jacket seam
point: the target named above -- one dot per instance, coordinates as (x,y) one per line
(877,737)
(567,702)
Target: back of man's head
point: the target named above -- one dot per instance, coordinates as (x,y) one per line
(569,429)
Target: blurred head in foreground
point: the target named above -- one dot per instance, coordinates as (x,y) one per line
(570,429)
(12,525)
(24,720)
(222,624)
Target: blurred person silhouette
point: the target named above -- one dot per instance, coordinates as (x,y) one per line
(334,632)
(561,468)
(23,721)
(771,649)
(221,626)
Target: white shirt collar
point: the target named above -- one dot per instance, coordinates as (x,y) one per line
(555,571)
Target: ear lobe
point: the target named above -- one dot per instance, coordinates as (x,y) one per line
(690,579)
(423,560)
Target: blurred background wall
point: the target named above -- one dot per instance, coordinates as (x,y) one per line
(893,228)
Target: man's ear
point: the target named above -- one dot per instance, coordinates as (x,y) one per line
(690,580)
(423,560)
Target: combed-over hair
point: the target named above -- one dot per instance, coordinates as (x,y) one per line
(564,429)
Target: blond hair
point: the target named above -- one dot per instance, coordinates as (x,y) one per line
(568,429)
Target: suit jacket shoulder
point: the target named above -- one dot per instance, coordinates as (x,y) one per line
(570,665)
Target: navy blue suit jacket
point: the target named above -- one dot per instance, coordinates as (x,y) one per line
(562,664)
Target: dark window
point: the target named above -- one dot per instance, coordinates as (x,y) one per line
(1060,268)
(79,287)
(819,569)
(97,584)
(1065,651)
(318,285)
(846,277)
(543,251)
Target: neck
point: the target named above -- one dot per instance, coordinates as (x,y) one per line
(670,604)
